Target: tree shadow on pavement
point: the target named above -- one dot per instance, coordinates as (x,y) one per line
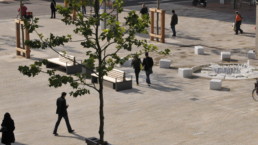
(8,40)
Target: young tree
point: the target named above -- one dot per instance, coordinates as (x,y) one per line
(99,58)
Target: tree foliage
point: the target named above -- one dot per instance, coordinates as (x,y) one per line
(99,58)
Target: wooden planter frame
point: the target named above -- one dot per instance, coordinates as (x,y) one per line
(23,50)
(161,14)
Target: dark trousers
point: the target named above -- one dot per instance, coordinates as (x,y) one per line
(148,72)
(53,14)
(137,72)
(238,24)
(66,121)
(173,27)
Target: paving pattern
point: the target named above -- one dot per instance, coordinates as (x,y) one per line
(173,111)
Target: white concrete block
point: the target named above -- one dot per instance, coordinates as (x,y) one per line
(215,84)
(225,55)
(251,54)
(128,63)
(185,72)
(221,1)
(164,63)
(198,50)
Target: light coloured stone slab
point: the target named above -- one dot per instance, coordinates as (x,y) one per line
(225,55)
(128,63)
(198,50)
(215,84)
(251,54)
(185,72)
(164,63)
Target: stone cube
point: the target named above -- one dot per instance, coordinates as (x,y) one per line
(225,55)
(215,84)
(128,63)
(251,54)
(164,63)
(198,50)
(185,72)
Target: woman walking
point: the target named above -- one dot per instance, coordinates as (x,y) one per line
(7,130)
(136,63)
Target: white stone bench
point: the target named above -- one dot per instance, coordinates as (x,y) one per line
(66,61)
(185,72)
(164,63)
(215,84)
(115,79)
(251,54)
(225,56)
(199,50)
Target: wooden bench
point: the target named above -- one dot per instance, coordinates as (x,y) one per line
(115,79)
(66,62)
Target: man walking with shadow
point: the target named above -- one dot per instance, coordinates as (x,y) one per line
(62,113)
(238,21)
(147,64)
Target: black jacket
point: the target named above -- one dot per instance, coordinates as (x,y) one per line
(61,106)
(144,11)
(136,63)
(147,63)
(174,20)
(7,129)
(53,6)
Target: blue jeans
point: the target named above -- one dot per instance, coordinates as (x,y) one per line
(173,27)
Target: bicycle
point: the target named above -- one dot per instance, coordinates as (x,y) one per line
(255,91)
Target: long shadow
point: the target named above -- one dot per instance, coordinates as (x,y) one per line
(8,40)
(75,136)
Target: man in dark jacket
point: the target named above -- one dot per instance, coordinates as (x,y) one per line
(174,21)
(53,9)
(144,10)
(147,64)
(61,110)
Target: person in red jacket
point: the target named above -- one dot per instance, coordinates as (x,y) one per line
(238,21)
(23,11)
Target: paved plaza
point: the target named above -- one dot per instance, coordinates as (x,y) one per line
(173,111)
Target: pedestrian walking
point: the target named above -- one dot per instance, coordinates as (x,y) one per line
(174,21)
(147,64)
(83,2)
(53,9)
(7,130)
(136,63)
(62,113)
(23,11)
(238,22)
(144,9)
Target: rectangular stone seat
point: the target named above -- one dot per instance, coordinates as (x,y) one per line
(215,84)
(199,50)
(225,56)
(164,63)
(185,72)
(251,54)
(127,63)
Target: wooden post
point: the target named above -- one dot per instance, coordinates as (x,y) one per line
(22,51)
(161,36)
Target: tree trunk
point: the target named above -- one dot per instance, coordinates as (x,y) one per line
(101,112)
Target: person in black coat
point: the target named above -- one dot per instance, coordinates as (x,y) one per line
(7,130)
(53,9)
(174,21)
(136,63)
(144,10)
(62,113)
(147,64)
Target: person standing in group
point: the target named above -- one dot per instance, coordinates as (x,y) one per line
(136,63)
(62,113)
(23,11)
(144,10)
(7,130)
(174,21)
(147,64)
(238,22)
(53,9)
